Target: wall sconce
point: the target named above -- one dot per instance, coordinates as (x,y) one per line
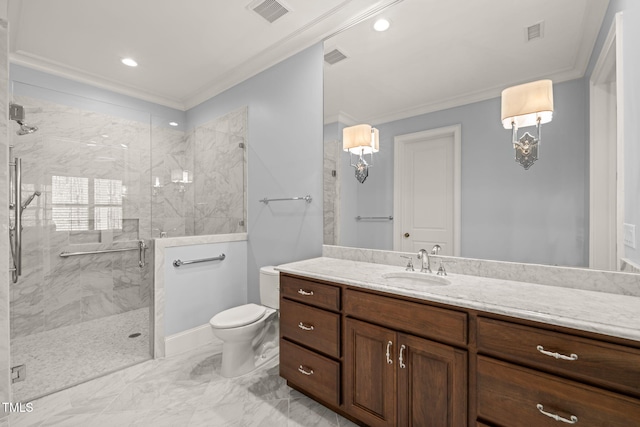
(157,183)
(361,140)
(527,105)
(182,177)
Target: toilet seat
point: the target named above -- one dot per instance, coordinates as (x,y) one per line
(238,316)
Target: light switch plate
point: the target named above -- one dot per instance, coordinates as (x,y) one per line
(630,235)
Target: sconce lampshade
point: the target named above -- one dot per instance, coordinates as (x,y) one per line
(360,139)
(524,104)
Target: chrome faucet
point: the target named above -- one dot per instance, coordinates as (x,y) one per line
(426,262)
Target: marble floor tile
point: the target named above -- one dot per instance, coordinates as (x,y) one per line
(66,356)
(185,390)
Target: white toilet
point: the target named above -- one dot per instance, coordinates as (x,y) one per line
(250,332)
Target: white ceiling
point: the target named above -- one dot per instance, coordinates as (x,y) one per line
(437,53)
(187,50)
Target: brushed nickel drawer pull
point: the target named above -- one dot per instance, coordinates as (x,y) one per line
(305,370)
(571,420)
(305,327)
(541,349)
(389,361)
(305,293)
(400,359)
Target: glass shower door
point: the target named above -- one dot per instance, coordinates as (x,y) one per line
(81,307)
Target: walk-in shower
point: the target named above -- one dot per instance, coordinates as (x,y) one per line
(16,113)
(80,204)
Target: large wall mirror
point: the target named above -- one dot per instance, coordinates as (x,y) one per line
(441,66)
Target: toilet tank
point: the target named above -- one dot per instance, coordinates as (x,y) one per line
(270,286)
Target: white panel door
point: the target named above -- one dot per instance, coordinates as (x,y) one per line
(427,190)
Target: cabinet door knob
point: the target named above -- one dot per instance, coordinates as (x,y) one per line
(401,359)
(389,361)
(305,293)
(305,327)
(406,235)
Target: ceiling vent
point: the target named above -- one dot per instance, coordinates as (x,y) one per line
(334,57)
(271,10)
(535,31)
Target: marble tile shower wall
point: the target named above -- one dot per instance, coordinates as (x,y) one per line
(5,388)
(213,155)
(88,146)
(331,191)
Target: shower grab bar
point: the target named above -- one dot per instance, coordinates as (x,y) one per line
(306,198)
(142,247)
(177,263)
(359,218)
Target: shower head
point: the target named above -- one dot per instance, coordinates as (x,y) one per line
(30,199)
(16,112)
(25,129)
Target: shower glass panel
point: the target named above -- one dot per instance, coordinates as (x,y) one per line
(81,307)
(199,176)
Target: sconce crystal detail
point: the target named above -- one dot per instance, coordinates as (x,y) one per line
(529,104)
(181,177)
(361,140)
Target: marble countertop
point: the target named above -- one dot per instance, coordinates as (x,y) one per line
(605,313)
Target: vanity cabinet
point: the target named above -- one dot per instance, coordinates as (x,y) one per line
(397,379)
(310,337)
(386,360)
(533,376)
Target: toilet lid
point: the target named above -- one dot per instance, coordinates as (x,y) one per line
(238,316)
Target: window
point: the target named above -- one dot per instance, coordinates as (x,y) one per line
(71,209)
(108,200)
(70,200)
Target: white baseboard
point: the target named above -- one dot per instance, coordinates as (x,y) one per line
(191,339)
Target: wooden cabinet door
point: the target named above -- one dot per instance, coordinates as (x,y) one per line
(432,384)
(370,381)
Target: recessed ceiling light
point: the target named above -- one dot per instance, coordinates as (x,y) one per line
(381,25)
(129,62)
(173,124)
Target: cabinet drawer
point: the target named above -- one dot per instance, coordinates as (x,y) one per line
(312,327)
(423,320)
(600,363)
(313,293)
(516,397)
(311,372)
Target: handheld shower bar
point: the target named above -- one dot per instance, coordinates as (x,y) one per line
(15,231)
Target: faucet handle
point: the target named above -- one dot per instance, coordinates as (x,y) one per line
(409,266)
(441,270)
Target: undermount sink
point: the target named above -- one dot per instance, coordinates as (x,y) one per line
(415,279)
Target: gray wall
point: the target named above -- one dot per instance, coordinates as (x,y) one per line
(285,151)
(194,294)
(631,78)
(508,213)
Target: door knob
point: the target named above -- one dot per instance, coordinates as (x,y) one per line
(406,235)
